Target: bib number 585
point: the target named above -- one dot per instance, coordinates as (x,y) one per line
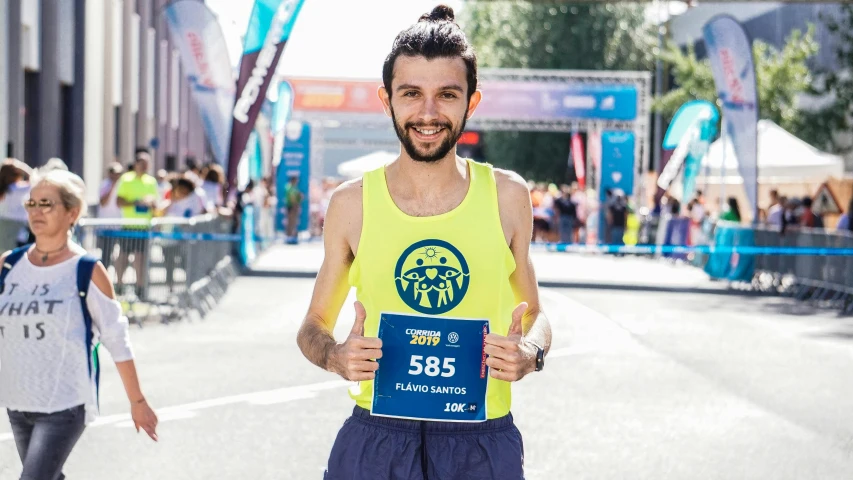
(432,366)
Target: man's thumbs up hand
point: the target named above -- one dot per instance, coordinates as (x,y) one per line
(510,357)
(355,358)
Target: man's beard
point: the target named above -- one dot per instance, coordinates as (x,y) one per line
(443,149)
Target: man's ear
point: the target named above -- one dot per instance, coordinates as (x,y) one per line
(473,102)
(382,92)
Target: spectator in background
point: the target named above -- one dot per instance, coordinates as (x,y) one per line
(184,201)
(846,220)
(698,213)
(566,213)
(293,198)
(108,208)
(214,181)
(244,198)
(193,171)
(776,209)
(108,204)
(616,217)
(137,190)
(164,184)
(14,189)
(732,211)
(789,214)
(808,218)
(137,196)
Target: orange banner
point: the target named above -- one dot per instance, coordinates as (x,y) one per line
(340,96)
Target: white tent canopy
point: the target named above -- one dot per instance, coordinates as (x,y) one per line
(359,166)
(782,158)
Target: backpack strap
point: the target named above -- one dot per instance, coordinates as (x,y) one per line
(85,267)
(10,262)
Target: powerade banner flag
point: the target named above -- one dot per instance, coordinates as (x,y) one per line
(730,53)
(269,28)
(204,57)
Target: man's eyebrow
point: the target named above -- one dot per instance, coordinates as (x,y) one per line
(407,86)
(456,88)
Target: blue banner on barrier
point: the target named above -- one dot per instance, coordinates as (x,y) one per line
(727,263)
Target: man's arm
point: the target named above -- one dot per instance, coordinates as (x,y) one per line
(513,355)
(316,340)
(517,219)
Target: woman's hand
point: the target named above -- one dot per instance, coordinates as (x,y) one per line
(145,418)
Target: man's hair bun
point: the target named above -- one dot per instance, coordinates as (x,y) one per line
(441,13)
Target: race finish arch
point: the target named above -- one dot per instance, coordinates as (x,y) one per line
(611,106)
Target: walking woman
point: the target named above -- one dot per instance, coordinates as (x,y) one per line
(14,188)
(55,304)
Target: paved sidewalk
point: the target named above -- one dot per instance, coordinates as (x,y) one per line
(572,270)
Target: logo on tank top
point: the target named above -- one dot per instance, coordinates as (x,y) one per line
(432,277)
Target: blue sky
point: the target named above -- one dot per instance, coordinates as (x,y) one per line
(332,38)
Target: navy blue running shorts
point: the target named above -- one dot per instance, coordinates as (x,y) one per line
(381,448)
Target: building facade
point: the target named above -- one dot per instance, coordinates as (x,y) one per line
(90,81)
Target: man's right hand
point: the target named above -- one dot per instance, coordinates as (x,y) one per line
(355,358)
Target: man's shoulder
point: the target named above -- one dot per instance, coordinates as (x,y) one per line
(510,184)
(348,193)
(344,213)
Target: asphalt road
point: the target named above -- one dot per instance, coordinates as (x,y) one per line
(639,385)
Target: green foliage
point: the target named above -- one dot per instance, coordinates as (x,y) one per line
(780,77)
(606,36)
(837,85)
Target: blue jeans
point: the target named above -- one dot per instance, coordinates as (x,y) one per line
(45,440)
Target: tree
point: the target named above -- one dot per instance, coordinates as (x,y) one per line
(558,36)
(781,76)
(836,85)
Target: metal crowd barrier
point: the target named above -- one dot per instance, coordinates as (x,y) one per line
(820,279)
(163,267)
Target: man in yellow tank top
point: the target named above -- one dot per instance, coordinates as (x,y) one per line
(448,310)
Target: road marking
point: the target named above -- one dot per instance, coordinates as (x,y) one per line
(190,410)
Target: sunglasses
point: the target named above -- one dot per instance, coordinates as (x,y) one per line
(45,205)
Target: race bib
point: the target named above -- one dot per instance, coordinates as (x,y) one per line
(432,368)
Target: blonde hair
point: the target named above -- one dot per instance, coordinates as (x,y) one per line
(72,190)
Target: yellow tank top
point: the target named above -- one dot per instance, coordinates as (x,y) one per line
(467,244)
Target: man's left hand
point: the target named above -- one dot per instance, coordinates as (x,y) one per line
(511,357)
